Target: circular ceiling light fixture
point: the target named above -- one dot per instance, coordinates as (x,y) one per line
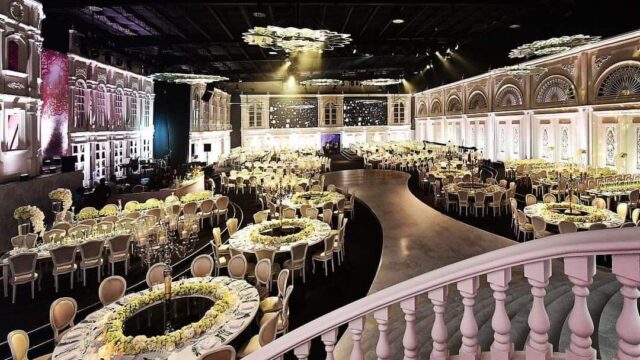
(321,82)
(293,40)
(552,46)
(259,15)
(381,82)
(273,53)
(514,26)
(191,79)
(398,21)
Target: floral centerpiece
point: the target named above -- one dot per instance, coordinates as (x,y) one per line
(590,214)
(108,210)
(308,227)
(201,196)
(88,213)
(30,214)
(62,195)
(116,343)
(315,198)
(620,187)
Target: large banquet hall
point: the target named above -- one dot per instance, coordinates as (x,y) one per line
(399,179)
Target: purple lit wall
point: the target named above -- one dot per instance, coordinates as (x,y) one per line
(55,104)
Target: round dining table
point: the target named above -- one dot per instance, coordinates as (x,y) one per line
(83,341)
(613,220)
(241,240)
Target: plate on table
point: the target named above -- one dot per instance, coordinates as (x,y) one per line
(208,343)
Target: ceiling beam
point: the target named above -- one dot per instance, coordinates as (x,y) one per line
(224,26)
(193,23)
(372,14)
(347,18)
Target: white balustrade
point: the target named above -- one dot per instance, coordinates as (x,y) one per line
(439,332)
(468,326)
(410,338)
(580,271)
(502,347)
(382,349)
(627,271)
(329,340)
(538,346)
(356,326)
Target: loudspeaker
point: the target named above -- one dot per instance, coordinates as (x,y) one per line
(207,147)
(208,93)
(69,163)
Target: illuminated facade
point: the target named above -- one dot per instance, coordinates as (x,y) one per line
(110,117)
(210,125)
(20,99)
(584,108)
(301,121)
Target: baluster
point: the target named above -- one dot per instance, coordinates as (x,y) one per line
(410,339)
(468,326)
(302,351)
(439,332)
(382,349)
(356,326)
(502,347)
(329,340)
(627,271)
(538,346)
(580,271)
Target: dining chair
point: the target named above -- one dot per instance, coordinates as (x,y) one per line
(52,236)
(232,226)
(634,198)
(240,185)
(263,277)
(635,215)
(565,227)
(599,203)
(627,224)
(217,242)
(62,314)
(463,202)
(274,303)
(622,209)
(133,215)
(549,198)
(289,213)
(324,256)
(23,271)
(303,209)
(91,257)
(496,202)
(27,241)
(331,188)
(260,216)
(18,341)
(105,227)
(298,259)
(572,199)
(524,226)
(267,333)
(112,289)
(597,226)
(119,252)
(62,226)
(222,204)
(237,267)
(311,213)
(155,274)
(202,266)
(479,202)
(539,227)
(64,262)
(530,199)
(206,211)
(221,261)
(282,324)
(338,244)
(225,352)
(349,205)
(79,231)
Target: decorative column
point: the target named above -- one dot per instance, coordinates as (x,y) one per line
(356,326)
(502,347)
(580,271)
(538,346)
(329,340)
(383,349)
(410,338)
(470,350)
(439,332)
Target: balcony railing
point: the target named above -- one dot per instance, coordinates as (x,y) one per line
(577,250)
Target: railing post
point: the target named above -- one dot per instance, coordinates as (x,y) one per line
(356,326)
(439,332)
(502,347)
(580,270)
(410,338)
(302,351)
(329,340)
(382,318)
(468,326)
(627,271)
(538,346)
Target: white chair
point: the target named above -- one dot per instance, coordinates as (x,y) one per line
(221,261)
(111,289)
(622,209)
(222,204)
(23,271)
(539,227)
(338,245)
(206,211)
(289,213)
(496,202)
(223,249)
(324,256)
(232,226)
(155,274)
(53,236)
(524,226)
(64,262)
(61,317)
(549,198)
(18,341)
(260,217)
(530,199)
(282,316)
(119,252)
(565,227)
(298,259)
(311,213)
(91,257)
(479,202)
(599,203)
(597,226)
(266,335)
(202,266)
(27,241)
(225,352)
(262,273)
(274,303)
(463,202)
(237,267)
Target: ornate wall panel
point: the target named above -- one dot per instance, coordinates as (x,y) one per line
(508,96)
(454,105)
(555,90)
(477,102)
(610,145)
(620,81)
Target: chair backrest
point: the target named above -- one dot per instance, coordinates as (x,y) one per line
(268,330)
(548,198)
(328,244)
(222,202)
(622,210)
(53,235)
(331,188)
(91,249)
(573,199)
(539,225)
(627,224)
(63,255)
(155,274)
(133,215)
(79,230)
(285,307)
(232,226)
(299,251)
(260,216)
(316,188)
(217,236)
(207,206)
(635,215)
(497,197)
(327,206)
(226,352)
(463,196)
(157,212)
(18,341)
(311,213)
(89,222)
(62,226)
(599,203)
(190,208)
(479,197)
(503,183)
(202,266)
(112,289)
(597,226)
(119,243)
(565,227)
(237,267)
(298,189)
(282,282)
(62,314)
(327,215)
(26,241)
(289,213)
(303,209)
(530,199)
(634,196)
(522,217)
(105,226)
(22,264)
(263,272)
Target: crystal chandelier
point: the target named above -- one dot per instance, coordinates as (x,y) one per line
(381,82)
(321,82)
(552,46)
(521,70)
(293,40)
(191,79)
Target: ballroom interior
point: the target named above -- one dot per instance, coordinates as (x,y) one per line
(211,180)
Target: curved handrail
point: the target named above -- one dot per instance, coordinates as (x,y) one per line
(612,242)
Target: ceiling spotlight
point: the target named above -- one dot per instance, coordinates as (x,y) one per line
(397,21)
(259,14)
(449,51)
(355,50)
(95,8)
(514,26)
(457,47)
(273,53)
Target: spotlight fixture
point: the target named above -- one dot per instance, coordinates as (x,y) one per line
(259,15)
(397,21)
(95,9)
(457,47)
(514,26)
(295,40)
(273,53)
(449,51)
(355,50)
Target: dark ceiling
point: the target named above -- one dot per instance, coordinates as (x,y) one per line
(206,36)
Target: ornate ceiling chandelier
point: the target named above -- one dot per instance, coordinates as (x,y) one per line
(381,82)
(521,70)
(321,82)
(552,46)
(191,79)
(293,39)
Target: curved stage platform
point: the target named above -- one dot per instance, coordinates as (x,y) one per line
(418,239)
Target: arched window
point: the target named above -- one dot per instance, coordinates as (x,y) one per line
(146,111)
(79,106)
(436,107)
(117,108)
(422,109)
(133,110)
(477,101)
(622,81)
(255,115)
(13,55)
(555,89)
(509,96)
(101,106)
(398,113)
(330,114)
(454,105)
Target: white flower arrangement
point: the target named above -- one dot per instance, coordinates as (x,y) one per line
(552,46)
(316,197)
(87,213)
(63,195)
(520,69)
(592,214)
(201,196)
(308,228)
(629,186)
(32,214)
(116,343)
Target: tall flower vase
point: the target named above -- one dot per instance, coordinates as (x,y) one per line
(24,228)
(57,208)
